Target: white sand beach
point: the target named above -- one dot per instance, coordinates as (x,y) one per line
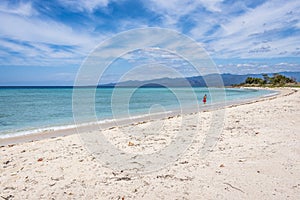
(257,156)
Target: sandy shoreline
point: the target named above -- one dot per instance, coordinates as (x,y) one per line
(86,127)
(257,156)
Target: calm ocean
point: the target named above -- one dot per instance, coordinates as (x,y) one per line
(25,109)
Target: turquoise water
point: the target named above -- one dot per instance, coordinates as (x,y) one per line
(25,109)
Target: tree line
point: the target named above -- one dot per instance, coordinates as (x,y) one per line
(275,80)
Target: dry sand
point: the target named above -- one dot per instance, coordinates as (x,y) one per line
(257,156)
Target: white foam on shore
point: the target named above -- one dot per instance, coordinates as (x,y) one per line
(270,95)
(5,135)
(48,129)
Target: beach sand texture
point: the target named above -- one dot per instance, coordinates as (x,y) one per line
(257,156)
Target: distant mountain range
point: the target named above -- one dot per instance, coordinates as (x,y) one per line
(197,81)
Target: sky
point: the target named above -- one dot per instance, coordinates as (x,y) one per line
(46,42)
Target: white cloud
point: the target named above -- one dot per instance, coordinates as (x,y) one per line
(211,5)
(39,41)
(63,76)
(173,10)
(22,9)
(252,34)
(35,54)
(85,5)
(271,15)
(245,34)
(180,8)
(153,71)
(257,68)
(39,30)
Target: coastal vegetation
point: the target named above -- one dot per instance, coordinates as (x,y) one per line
(277,80)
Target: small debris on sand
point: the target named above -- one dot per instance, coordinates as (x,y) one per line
(130,144)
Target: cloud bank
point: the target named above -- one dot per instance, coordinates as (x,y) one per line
(61,33)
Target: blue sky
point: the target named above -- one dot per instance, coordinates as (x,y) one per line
(45,42)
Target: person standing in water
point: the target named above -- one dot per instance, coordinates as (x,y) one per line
(204,99)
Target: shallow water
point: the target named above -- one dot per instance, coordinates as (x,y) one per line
(28,108)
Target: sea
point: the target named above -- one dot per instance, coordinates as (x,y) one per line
(25,110)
